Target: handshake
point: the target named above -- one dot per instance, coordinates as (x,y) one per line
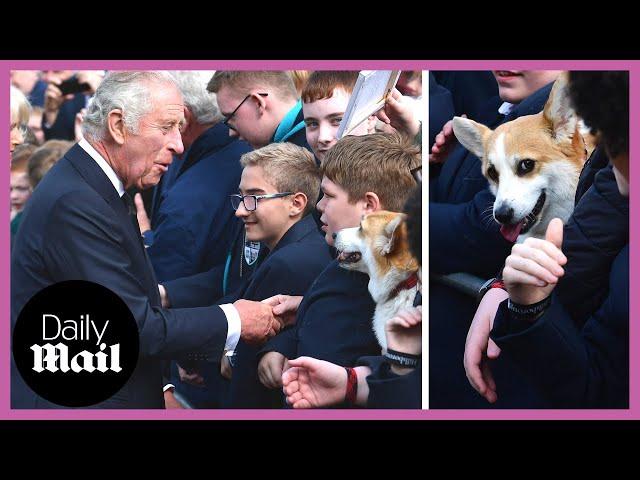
(263,320)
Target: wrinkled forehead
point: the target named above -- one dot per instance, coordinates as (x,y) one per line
(166,99)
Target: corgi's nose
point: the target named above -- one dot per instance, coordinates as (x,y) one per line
(334,235)
(504,214)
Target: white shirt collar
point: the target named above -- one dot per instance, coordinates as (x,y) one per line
(93,153)
(505,108)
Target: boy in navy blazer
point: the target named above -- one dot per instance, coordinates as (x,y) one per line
(361,175)
(278,189)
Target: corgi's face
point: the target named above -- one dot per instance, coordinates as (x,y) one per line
(529,161)
(378,246)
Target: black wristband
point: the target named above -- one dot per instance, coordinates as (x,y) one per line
(401,359)
(528,311)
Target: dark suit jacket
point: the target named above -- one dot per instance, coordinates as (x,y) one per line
(191,224)
(76,227)
(206,288)
(290,269)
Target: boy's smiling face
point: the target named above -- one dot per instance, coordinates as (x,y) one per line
(272,217)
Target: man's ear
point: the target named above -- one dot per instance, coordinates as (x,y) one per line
(393,231)
(261,102)
(116,126)
(371,203)
(298,204)
(188,119)
(557,113)
(471,135)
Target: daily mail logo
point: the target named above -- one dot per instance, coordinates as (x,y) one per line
(54,358)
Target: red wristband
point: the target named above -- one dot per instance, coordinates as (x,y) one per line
(352,386)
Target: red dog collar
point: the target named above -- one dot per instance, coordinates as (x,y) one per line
(408,284)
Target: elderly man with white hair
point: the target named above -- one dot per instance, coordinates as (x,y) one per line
(78,226)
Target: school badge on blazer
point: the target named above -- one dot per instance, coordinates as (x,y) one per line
(251,252)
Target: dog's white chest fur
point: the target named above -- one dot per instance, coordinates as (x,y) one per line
(389,308)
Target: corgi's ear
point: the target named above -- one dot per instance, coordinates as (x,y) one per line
(471,135)
(392,232)
(558,113)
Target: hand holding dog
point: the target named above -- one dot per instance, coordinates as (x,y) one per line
(479,348)
(404,331)
(270,369)
(532,270)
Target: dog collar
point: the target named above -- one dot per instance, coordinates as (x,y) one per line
(407,284)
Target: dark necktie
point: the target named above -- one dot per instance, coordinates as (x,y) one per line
(133,218)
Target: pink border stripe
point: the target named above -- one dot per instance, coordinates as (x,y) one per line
(632,413)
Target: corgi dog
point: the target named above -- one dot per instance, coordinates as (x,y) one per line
(532,163)
(379,247)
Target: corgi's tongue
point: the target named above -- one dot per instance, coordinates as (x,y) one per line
(511,232)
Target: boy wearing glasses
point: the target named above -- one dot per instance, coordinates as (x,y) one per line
(261,107)
(278,190)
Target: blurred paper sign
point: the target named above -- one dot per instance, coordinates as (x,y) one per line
(369,95)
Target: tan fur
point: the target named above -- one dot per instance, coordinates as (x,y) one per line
(399,257)
(528,138)
(380,249)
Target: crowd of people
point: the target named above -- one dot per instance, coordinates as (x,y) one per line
(237,185)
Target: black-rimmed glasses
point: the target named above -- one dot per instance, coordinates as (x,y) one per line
(251,201)
(230,116)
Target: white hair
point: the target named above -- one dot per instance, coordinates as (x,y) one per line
(202,104)
(20,106)
(126,91)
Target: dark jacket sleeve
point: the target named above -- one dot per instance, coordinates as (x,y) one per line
(465,237)
(273,281)
(577,368)
(389,390)
(90,246)
(286,343)
(197,290)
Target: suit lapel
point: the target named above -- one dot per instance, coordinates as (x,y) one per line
(95,177)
